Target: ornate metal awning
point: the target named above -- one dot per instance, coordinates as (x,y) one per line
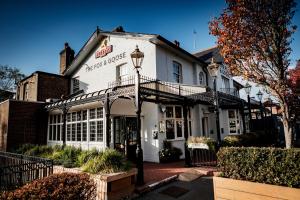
(152,90)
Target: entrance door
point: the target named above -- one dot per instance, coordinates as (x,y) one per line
(125,136)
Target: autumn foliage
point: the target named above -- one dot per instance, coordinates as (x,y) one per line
(67,186)
(254,37)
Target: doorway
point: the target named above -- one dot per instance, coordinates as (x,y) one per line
(125,131)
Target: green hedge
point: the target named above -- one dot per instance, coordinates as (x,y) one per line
(264,165)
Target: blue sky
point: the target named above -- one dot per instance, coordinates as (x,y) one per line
(34,31)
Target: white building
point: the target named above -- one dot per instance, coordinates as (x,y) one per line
(101,111)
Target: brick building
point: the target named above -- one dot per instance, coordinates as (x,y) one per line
(24,119)
(40,86)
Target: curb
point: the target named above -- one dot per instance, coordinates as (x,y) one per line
(155,185)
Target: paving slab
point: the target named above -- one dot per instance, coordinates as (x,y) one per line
(199,189)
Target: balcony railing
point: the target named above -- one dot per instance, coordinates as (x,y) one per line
(161,86)
(230,91)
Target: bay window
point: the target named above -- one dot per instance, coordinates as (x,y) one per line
(78,125)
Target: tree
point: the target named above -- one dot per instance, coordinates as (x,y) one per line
(254,37)
(294,95)
(9,77)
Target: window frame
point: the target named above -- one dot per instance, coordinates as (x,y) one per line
(53,126)
(237,122)
(75,82)
(175,120)
(201,78)
(177,74)
(76,120)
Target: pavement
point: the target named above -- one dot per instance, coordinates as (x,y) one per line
(198,189)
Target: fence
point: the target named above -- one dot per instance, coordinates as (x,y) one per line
(159,86)
(203,157)
(17,170)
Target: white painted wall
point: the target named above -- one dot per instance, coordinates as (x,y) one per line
(99,77)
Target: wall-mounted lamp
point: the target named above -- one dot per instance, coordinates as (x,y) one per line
(162,108)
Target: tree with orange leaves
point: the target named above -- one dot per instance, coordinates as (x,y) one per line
(254,37)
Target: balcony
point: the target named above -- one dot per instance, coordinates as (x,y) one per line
(230,91)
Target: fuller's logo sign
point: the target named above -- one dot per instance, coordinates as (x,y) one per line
(104,50)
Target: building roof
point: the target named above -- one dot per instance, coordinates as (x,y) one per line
(4,94)
(40,72)
(98,34)
(207,54)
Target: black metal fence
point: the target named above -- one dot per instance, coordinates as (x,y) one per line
(203,157)
(17,170)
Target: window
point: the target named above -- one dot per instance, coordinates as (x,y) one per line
(177,72)
(76,85)
(225,82)
(79,122)
(201,78)
(174,122)
(123,74)
(54,127)
(96,124)
(234,123)
(26,92)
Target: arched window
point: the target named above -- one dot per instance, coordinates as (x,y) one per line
(201,78)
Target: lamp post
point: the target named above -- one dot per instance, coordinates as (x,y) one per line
(137,59)
(259,96)
(248,90)
(213,70)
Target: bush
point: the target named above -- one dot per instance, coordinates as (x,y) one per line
(109,161)
(67,186)
(85,156)
(264,165)
(91,161)
(249,139)
(211,143)
(169,153)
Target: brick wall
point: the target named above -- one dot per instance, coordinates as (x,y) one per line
(52,86)
(27,123)
(31,81)
(43,86)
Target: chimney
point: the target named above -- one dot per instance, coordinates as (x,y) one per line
(176,43)
(66,58)
(118,29)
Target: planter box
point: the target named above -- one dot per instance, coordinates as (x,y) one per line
(109,186)
(231,189)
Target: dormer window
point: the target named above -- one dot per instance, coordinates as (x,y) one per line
(75,83)
(177,72)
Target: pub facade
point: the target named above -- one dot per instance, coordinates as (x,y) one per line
(175,88)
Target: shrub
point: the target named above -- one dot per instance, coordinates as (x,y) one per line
(169,153)
(68,156)
(92,161)
(67,186)
(211,143)
(264,165)
(41,151)
(258,139)
(85,156)
(23,148)
(109,161)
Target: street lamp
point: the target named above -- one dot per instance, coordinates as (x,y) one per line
(137,59)
(259,96)
(270,105)
(248,91)
(213,70)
